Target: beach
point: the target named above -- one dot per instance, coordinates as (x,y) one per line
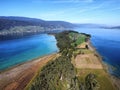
(19,76)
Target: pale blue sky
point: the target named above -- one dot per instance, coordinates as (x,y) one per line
(77,11)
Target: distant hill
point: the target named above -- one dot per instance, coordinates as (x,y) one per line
(102,26)
(114,27)
(8,22)
(14,27)
(117,27)
(89,25)
(21,18)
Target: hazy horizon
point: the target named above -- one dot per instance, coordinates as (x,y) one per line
(76,11)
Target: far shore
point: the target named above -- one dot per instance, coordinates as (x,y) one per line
(17,77)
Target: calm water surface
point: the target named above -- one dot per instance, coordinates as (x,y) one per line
(13,52)
(107,43)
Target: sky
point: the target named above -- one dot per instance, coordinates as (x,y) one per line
(76,11)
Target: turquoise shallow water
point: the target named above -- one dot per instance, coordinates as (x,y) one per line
(13,52)
(107,43)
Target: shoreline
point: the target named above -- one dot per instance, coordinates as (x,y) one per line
(115,80)
(12,78)
(100,58)
(14,66)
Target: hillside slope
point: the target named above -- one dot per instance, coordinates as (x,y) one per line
(15,27)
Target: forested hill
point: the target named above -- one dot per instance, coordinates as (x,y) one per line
(10,22)
(15,27)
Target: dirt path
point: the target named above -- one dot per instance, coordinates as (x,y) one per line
(18,77)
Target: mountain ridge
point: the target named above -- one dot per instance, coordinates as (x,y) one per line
(11,21)
(14,27)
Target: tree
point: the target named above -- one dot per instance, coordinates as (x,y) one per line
(91,83)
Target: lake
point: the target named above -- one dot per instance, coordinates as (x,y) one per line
(107,43)
(17,51)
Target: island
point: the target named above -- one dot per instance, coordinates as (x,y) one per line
(77,66)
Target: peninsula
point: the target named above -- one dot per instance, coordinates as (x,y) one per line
(77,66)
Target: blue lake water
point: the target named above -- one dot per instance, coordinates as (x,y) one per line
(107,43)
(16,51)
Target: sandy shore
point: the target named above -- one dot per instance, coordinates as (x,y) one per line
(17,78)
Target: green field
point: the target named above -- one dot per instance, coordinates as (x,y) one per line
(77,38)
